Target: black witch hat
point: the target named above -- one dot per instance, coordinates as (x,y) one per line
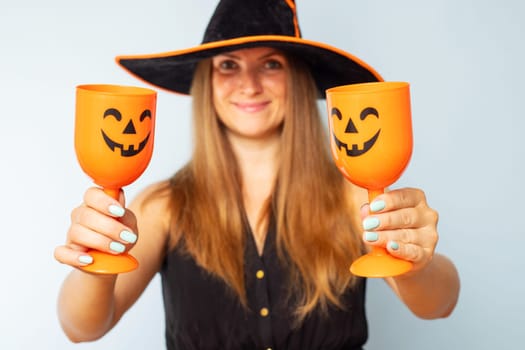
(238,24)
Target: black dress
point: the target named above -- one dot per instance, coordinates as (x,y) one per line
(202,313)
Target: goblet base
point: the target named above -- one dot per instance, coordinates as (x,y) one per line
(109,264)
(376,264)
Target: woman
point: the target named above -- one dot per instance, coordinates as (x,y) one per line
(254,236)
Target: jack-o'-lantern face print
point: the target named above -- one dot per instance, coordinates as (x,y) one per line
(354,139)
(127,135)
(114,132)
(370,131)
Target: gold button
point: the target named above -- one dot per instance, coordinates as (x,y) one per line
(264,312)
(260,274)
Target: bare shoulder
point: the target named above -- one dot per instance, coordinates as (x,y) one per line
(155,194)
(152,201)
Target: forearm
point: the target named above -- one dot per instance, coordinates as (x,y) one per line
(432,292)
(86,305)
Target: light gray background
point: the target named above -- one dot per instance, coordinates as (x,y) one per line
(464,60)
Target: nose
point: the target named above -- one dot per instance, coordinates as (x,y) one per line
(249,82)
(130,128)
(350,127)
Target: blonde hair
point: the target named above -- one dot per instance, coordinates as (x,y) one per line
(316,236)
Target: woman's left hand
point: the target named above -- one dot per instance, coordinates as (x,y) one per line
(401,221)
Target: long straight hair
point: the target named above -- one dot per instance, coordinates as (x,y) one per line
(317,236)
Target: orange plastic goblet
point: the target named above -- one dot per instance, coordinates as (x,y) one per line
(371,142)
(114,131)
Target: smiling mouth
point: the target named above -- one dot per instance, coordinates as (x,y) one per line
(251,107)
(354,151)
(130,151)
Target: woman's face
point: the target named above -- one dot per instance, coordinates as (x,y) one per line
(249,91)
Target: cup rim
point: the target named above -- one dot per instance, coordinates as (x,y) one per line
(366,88)
(113,89)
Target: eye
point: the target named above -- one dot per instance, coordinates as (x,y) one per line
(336,112)
(145,114)
(273,64)
(226,65)
(114,113)
(369,111)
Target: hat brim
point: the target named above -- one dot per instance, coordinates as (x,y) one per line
(173,71)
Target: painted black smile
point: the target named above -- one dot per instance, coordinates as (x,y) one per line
(354,151)
(130,151)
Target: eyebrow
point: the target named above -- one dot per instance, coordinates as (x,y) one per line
(269,54)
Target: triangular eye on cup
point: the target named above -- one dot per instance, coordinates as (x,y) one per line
(374,153)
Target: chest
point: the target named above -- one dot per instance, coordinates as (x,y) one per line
(198,303)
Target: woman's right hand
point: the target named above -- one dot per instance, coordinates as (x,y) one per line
(101,223)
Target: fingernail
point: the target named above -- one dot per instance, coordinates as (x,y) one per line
(377,205)
(393,245)
(116,210)
(117,247)
(371,236)
(370,223)
(127,236)
(85,259)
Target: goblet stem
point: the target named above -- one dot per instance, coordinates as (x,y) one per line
(105,263)
(378,262)
(113,192)
(372,194)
